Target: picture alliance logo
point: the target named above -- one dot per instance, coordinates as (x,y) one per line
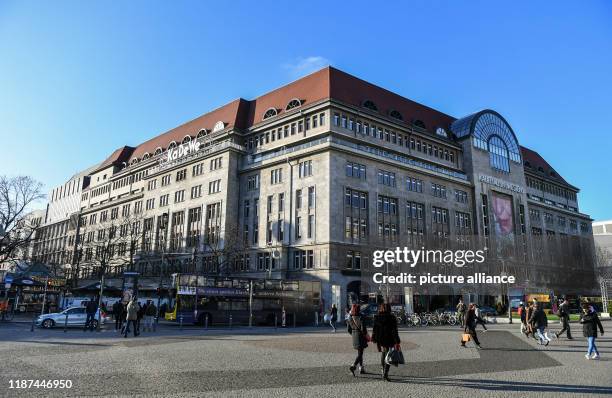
(183,150)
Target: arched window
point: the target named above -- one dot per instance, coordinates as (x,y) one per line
(419,123)
(158,151)
(396,115)
(186,139)
(370,105)
(294,103)
(202,133)
(134,161)
(146,156)
(498,154)
(527,164)
(172,145)
(269,113)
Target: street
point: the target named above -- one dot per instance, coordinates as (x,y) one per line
(297,362)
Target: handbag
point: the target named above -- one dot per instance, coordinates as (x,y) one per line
(466,337)
(394,357)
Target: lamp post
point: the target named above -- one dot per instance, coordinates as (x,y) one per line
(162,227)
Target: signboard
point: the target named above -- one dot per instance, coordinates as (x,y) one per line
(500,183)
(187,290)
(182,150)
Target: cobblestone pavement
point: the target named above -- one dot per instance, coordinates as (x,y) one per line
(297,362)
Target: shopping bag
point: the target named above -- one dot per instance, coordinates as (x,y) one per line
(466,337)
(394,357)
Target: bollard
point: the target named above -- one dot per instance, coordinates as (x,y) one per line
(275,321)
(294,316)
(316,319)
(33,321)
(66,323)
(181,321)
(283,318)
(155,324)
(206,321)
(230,322)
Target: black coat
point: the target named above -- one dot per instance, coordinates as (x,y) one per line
(590,323)
(92,307)
(539,319)
(384,332)
(357,330)
(470,319)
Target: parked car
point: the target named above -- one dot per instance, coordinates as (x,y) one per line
(487,311)
(76,317)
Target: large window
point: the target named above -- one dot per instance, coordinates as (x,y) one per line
(498,154)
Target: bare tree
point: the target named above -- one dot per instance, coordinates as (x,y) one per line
(17,195)
(222,252)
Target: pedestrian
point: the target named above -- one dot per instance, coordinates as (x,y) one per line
(385,335)
(118,314)
(347,314)
(469,327)
(590,322)
(523,314)
(150,313)
(540,323)
(564,316)
(479,319)
(461,312)
(359,333)
(90,309)
(530,327)
(141,312)
(132,317)
(333,317)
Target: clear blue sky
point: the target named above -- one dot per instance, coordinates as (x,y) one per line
(78,80)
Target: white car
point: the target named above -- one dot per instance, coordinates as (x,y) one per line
(77,316)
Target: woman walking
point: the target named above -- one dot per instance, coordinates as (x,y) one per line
(357,329)
(385,335)
(333,317)
(590,322)
(470,323)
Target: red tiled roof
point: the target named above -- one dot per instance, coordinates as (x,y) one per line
(323,84)
(535,162)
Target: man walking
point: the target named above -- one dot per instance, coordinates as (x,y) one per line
(564,317)
(540,322)
(132,317)
(91,309)
(461,312)
(479,319)
(150,313)
(118,314)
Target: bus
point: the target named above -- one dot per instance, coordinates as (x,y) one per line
(196,298)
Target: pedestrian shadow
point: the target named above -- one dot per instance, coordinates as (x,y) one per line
(63,343)
(500,385)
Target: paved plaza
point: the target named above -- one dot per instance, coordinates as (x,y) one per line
(298,362)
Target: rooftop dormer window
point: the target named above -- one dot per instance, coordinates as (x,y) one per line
(172,145)
(294,103)
(396,115)
(186,139)
(270,113)
(202,133)
(370,105)
(419,123)
(158,151)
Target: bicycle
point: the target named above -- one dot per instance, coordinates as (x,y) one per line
(6,314)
